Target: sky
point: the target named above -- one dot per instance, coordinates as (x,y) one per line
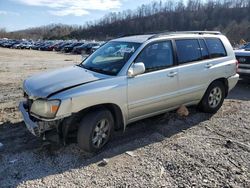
(22,14)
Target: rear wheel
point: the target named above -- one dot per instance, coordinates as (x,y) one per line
(95,130)
(213,98)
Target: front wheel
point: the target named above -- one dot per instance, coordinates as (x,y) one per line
(213,98)
(95,130)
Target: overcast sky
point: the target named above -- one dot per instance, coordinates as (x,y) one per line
(21,14)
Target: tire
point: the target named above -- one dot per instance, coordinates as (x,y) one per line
(213,98)
(93,127)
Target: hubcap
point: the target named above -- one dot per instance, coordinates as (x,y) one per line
(215,97)
(101,133)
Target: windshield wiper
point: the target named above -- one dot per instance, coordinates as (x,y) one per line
(95,69)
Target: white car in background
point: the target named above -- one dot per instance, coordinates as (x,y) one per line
(243,56)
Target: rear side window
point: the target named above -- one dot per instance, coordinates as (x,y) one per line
(188,50)
(215,47)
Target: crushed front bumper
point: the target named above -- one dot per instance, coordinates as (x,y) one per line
(46,129)
(31,125)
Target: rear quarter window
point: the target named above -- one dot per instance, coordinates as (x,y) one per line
(215,47)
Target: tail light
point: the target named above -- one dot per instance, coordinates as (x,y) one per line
(237,65)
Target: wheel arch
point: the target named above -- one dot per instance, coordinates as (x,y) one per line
(113,108)
(224,81)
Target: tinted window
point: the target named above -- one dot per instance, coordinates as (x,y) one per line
(156,56)
(188,50)
(215,47)
(204,51)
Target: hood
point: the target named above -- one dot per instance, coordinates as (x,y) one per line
(45,84)
(242,52)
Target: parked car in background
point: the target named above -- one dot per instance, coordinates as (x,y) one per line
(61,46)
(46,46)
(129,79)
(78,49)
(54,45)
(85,48)
(243,57)
(70,47)
(36,45)
(24,45)
(94,48)
(10,43)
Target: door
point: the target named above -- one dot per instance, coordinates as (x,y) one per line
(154,90)
(193,60)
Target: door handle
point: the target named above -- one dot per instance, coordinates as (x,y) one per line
(208,65)
(172,74)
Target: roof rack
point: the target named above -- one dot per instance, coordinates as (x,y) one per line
(133,34)
(185,32)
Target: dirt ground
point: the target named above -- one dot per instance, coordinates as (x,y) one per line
(201,150)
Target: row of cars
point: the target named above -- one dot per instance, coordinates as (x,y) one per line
(75,47)
(243,56)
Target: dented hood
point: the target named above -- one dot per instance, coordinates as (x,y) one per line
(45,84)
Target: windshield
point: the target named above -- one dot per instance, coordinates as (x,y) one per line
(110,58)
(246,46)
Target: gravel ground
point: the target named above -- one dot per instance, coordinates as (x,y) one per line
(201,150)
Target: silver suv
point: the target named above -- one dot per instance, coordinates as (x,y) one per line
(129,79)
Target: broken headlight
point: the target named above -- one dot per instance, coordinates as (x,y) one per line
(45,108)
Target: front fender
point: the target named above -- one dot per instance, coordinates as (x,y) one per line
(112,90)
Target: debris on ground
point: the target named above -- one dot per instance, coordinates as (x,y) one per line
(13,161)
(130,153)
(183,111)
(162,171)
(104,162)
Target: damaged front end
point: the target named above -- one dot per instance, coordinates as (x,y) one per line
(36,126)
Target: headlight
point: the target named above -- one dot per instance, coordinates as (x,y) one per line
(45,108)
(242,60)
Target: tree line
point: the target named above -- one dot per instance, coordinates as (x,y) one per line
(228,16)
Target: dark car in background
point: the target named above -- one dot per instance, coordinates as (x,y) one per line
(61,46)
(243,56)
(10,43)
(54,45)
(70,47)
(36,45)
(47,46)
(85,48)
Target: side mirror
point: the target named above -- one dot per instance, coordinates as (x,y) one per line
(136,69)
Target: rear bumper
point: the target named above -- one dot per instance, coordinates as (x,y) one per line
(31,125)
(232,81)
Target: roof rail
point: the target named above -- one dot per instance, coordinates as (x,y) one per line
(185,32)
(133,34)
